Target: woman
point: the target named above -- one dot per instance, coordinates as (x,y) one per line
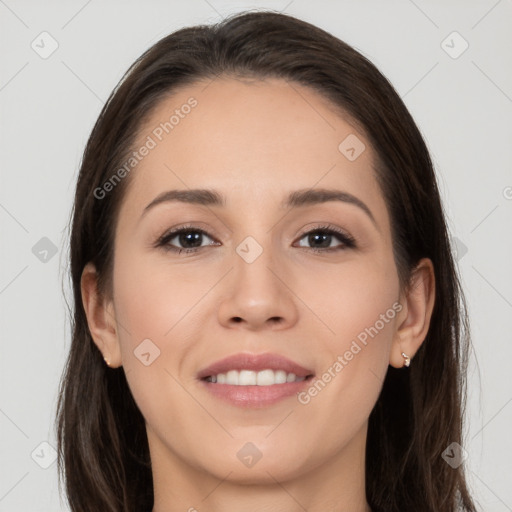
(267,313)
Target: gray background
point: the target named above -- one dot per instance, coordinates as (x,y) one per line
(462,105)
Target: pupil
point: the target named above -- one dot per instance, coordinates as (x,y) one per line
(192,237)
(315,237)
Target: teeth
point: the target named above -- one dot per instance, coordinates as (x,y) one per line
(250,378)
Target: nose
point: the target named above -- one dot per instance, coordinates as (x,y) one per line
(258,294)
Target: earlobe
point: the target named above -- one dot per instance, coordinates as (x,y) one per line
(413,322)
(100,317)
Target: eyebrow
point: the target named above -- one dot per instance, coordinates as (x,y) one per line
(296,199)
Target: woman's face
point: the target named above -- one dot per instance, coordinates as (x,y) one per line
(257,282)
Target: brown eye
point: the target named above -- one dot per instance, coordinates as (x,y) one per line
(190,239)
(321,238)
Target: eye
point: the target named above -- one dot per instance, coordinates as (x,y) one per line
(321,238)
(189,237)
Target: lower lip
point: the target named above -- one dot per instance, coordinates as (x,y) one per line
(255,396)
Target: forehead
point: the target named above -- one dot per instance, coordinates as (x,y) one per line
(251,140)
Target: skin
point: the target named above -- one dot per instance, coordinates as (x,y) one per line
(255,142)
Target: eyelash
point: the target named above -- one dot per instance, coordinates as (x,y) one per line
(347,240)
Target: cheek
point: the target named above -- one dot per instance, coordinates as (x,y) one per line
(358,305)
(353,296)
(155,309)
(152,298)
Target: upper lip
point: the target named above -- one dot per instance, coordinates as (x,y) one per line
(254,362)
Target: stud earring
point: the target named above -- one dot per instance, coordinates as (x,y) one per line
(407,360)
(107,361)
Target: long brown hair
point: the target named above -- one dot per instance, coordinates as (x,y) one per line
(102,444)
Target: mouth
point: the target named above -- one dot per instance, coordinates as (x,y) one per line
(255,381)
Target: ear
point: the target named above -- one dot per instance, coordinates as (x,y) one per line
(413,321)
(100,317)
